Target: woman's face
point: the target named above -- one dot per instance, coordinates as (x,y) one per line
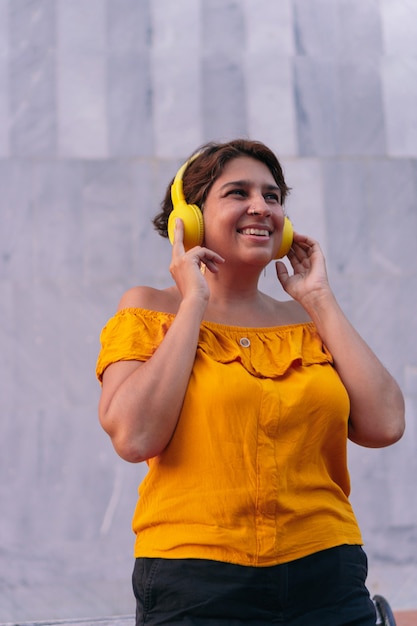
(243,216)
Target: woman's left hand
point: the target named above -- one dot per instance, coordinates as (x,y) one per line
(376,402)
(309,277)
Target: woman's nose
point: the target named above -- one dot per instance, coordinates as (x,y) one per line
(258,206)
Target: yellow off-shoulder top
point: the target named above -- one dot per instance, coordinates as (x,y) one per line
(256,471)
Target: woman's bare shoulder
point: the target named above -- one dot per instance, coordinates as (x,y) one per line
(143,297)
(296,313)
(288,312)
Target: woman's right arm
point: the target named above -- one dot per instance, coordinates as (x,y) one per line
(141,402)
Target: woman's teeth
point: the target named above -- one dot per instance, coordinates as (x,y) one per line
(255,231)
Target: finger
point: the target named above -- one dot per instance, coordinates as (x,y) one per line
(303,239)
(213,266)
(296,255)
(178,242)
(300,246)
(282,272)
(301,250)
(211,260)
(305,243)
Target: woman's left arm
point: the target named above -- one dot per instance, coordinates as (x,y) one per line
(376,401)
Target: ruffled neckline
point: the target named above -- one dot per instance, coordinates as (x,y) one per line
(265,352)
(227,327)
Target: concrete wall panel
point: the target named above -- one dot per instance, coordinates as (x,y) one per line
(100,102)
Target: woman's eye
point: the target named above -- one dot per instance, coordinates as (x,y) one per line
(238,192)
(272,197)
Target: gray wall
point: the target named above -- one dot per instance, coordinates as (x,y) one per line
(100,101)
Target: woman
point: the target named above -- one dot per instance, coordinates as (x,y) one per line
(242,405)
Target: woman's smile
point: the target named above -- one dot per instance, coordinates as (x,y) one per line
(254,231)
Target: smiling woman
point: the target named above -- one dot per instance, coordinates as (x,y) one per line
(242,406)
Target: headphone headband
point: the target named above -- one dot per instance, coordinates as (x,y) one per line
(177,187)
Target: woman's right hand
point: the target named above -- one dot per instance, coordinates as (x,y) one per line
(186,266)
(141,402)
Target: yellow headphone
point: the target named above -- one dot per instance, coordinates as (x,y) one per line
(190,214)
(192,217)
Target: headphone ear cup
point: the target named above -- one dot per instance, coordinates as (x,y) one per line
(287,239)
(192,218)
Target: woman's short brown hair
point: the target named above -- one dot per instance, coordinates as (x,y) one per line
(208,166)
